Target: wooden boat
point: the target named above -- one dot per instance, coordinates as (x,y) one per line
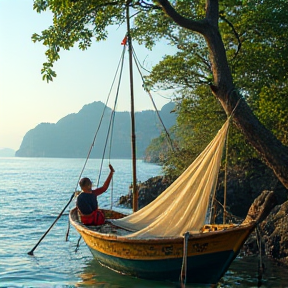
(169,238)
(209,253)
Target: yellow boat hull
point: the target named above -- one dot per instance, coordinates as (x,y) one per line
(209,253)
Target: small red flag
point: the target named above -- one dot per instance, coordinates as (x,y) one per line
(124,41)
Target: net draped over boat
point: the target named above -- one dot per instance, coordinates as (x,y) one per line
(182,206)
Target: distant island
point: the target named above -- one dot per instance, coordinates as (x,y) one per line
(7,152)
(72,136)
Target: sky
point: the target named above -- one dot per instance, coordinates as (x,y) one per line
(82,76)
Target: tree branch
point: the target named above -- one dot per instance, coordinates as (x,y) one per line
(235,33)
(145,5)
(212,12)
(197,26)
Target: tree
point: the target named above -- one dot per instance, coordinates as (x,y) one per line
(269,147)
(263,49)
(71,21)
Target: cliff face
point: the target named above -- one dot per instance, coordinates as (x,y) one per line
(72,136)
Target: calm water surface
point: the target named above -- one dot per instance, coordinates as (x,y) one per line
(33,191)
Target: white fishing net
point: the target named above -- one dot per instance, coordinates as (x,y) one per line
(182,206)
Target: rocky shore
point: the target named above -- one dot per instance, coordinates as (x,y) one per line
(242,189)
(147,192)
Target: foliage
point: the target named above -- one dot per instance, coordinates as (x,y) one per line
(153,25)
(257,52)
(79,22)
(158,149)
(273,103)
(198,121)
(255,36)
(75,22)
(260,68)
(261,28)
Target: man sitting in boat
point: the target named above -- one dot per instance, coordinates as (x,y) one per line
(87,203)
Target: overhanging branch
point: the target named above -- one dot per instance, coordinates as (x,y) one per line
(197,26)
(235,33)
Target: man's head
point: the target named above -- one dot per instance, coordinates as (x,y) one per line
(85,183)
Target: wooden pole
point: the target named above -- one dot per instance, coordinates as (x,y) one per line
(32,251)
(133,136)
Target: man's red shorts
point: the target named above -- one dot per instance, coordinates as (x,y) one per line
(95,218)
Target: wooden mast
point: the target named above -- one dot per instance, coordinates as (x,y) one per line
(133,137)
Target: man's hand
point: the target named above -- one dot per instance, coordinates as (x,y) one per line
(111,168)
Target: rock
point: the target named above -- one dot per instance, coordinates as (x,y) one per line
(261,207)
(148,191)
(245,184)
(273,236)
(275,233)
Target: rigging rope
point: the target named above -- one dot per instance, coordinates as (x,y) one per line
(225,213)
(225,180)
(96,133)
(99,125)
(112,116)
(152,100)
(226,164)
(111,127)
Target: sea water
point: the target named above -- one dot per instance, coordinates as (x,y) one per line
(33,191)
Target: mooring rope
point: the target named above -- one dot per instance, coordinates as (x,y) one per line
(260,264)
(183,274)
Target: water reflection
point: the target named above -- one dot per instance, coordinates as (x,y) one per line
(243,273)
(95,275)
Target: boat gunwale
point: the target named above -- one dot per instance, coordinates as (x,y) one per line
(111,237)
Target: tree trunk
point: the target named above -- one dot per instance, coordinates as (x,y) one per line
(271,150)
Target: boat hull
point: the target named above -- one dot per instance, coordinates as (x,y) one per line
(205,269)
(209,254)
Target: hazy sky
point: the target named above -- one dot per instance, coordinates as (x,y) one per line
(82,77)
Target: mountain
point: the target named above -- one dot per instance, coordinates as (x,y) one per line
(72,136)
(7,152)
